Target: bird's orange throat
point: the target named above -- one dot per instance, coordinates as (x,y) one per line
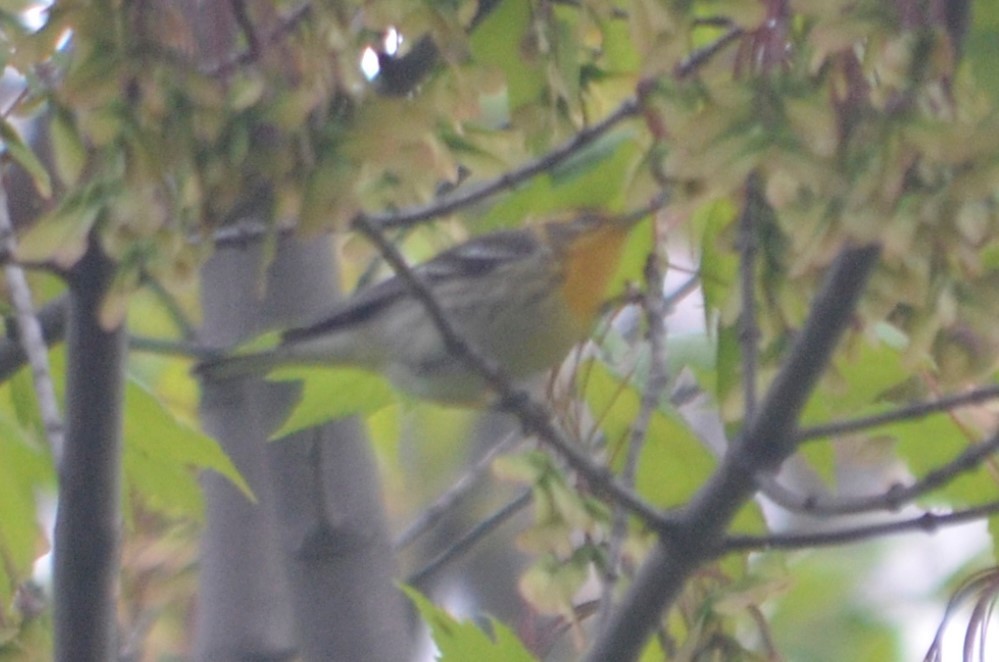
(590,264)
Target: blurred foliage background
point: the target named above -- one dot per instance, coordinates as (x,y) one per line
(143,127)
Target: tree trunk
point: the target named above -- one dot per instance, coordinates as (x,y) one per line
(308,568)
(88,522)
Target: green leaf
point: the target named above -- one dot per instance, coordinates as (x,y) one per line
(821,458)
(61,236)
(68,149)
(690,350)
(527,467)
(328,394)
(499,41)
(24,470)
(160,451)
(728,373)
(22,154)
(930,443)
(982,46)
(619,47)
(993,525)
(551,585)
(673,462)
(856,379)
(634,256)
(719,264)
(653,651)
(595,178)
(822,619)
(460,641)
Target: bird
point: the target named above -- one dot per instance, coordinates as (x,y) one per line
(522,298)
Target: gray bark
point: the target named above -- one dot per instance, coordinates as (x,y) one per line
(309,568)
(88,522)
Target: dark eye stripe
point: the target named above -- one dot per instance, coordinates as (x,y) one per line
(480,256)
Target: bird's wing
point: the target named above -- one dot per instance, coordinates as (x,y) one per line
(472,259)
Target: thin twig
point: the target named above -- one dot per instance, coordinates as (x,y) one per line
(768,439)
(749,332)
(245,23)
(30,335)
(532,415)
(474,535)
(506,181)
(892,499)
(686,288)
(172,306)
(698,58)
(655,314)
(455,494)
(631,107)
(909,412)
(52,319)
(181,348)
(927,522)
(245,233)
(250,55)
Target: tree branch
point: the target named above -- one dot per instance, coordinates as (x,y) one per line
(655,306)
(749,332)
(927,523)
(474,535)
(30,335)
(88,516)
(508,180)
(698,58)
(767,440)
(454,495)
(532,415)
(909,412)
(890,500)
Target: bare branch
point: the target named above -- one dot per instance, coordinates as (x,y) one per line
(474,535)
(749,332)
(52,320)
(927,523)
(172,306)
(533,416)
(181,348)
(892,499)
(506,181)
(455,494)
(655,312)
(88,520)
(249,232)
(242,17)
(30,335)
(698,58)
(907,413)
(767,440)
(250,55)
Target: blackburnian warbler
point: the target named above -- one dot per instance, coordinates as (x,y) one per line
(521,297)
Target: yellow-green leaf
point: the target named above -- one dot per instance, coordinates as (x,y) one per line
(673,462)
(60,236)
(460,641)
(161,445)
(328,394)
(22,154)
(68,150)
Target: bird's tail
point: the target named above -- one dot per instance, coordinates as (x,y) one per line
(236,366)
